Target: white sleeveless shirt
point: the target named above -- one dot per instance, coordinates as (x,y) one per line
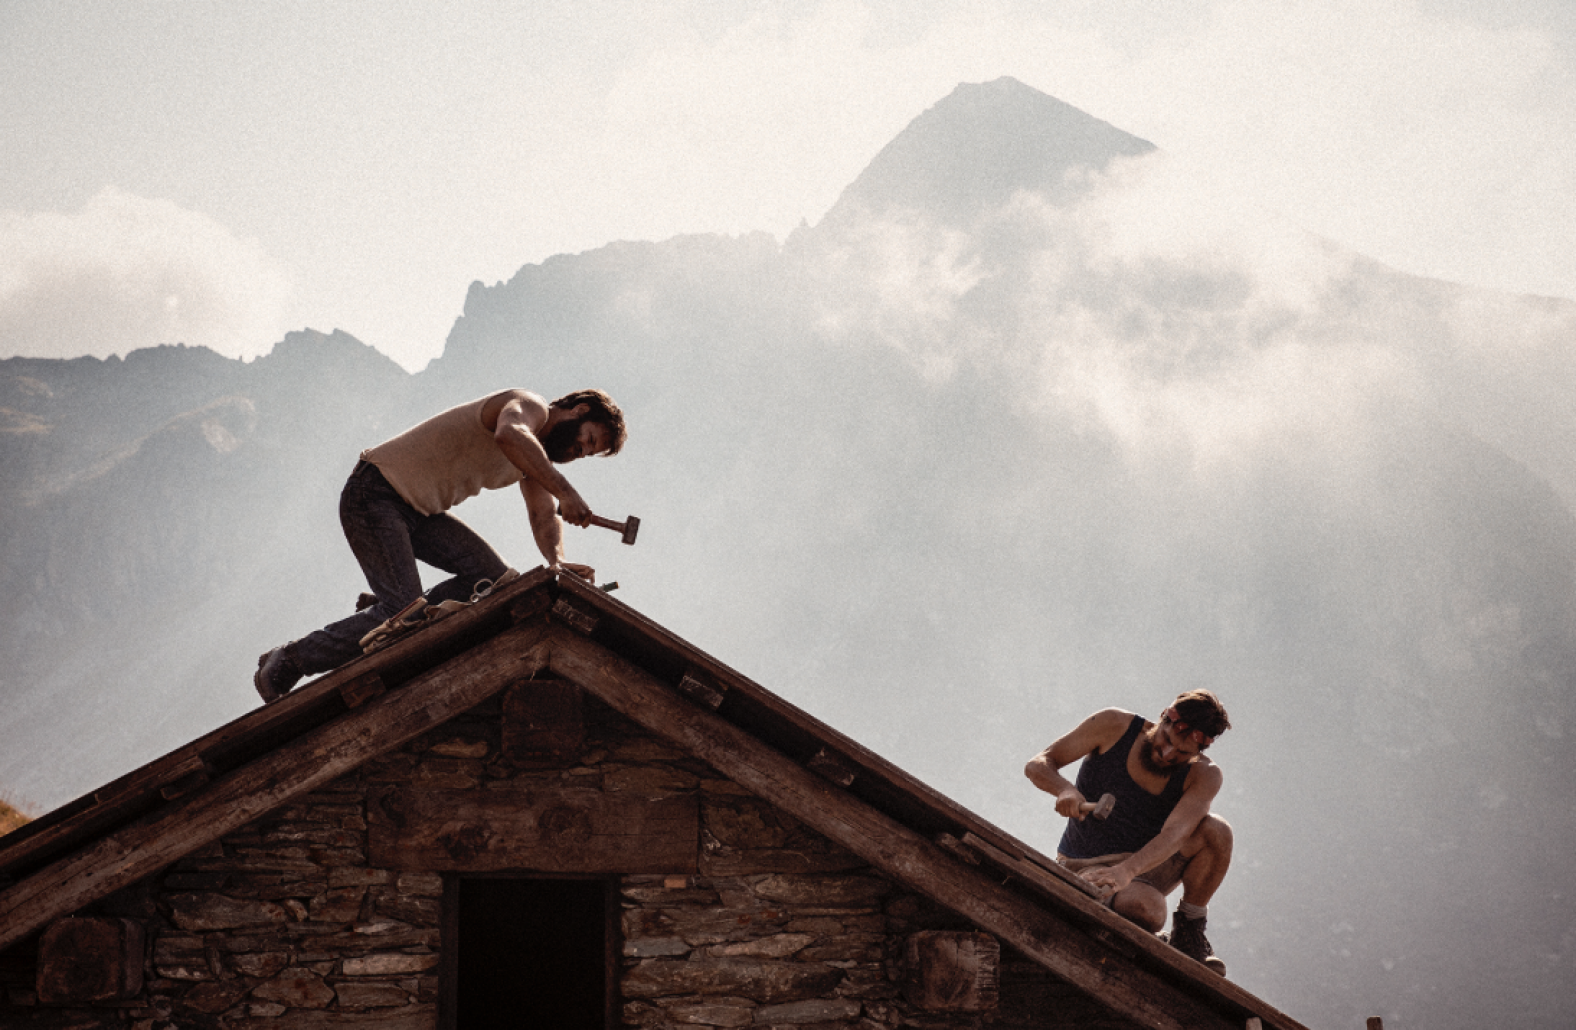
(440,462)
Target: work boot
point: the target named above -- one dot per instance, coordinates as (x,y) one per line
(1187,936)
(276,673)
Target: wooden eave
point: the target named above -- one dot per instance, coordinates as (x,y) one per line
(543,622)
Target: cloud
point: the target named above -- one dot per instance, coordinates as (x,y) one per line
(1159,312)
(126,272)
(1435,144)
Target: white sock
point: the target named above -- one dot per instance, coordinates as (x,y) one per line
(1192,911)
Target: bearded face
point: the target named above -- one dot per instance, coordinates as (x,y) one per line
(1150,760)
(1163,749)
(561,441)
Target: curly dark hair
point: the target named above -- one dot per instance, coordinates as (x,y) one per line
(599,408)
(1202,710)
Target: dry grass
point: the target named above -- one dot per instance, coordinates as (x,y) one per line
(11,818)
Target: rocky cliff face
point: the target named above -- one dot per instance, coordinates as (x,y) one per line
(974,457)
(145,500)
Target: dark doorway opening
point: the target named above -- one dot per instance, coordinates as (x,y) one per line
(528,954)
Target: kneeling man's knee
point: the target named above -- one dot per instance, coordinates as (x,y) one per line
(1142,905)
(1217,833)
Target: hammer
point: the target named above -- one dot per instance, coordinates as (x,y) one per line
(1099,809)
(629,527)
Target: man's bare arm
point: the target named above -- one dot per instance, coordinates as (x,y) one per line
(1096,733)
(545,525)
(519,423)
(516,428)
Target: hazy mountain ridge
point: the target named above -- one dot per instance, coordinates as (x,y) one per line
(949,472)
(155,491)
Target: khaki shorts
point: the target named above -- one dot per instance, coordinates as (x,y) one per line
(1163,877)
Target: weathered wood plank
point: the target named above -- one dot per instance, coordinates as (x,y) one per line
(886,844)
(567,830)
(235,799)
(89,961)
(952,971)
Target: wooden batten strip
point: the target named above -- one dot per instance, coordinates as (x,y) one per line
(894,849)
(189,775)
(834,767)
(698,688)
(303,764)
(581,619)
(957,849)
(357,692)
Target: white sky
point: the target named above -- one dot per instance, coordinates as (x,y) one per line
(222,173)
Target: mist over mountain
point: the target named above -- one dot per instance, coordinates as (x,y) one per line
(1029,425)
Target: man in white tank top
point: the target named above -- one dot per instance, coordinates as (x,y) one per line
(395,510)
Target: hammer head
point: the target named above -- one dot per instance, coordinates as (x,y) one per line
(629,527)
(1103,809)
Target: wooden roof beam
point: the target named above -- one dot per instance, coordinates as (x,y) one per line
(320,756)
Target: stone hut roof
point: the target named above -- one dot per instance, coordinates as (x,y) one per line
(543,623)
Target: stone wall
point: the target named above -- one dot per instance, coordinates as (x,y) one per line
(287,924)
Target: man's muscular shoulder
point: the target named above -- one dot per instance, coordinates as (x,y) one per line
(1099,732)
(531,407)
(1203,773)
(1108,724)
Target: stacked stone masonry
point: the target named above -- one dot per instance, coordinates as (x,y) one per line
(287,923)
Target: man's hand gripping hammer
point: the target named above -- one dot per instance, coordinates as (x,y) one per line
(1099,809)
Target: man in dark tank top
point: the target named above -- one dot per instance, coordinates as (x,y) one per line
(1161,832)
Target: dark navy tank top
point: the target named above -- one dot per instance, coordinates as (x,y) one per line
(1138,815)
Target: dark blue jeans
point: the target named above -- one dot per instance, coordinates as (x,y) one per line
(388,537)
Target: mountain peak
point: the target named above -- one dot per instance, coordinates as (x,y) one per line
(980,145)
